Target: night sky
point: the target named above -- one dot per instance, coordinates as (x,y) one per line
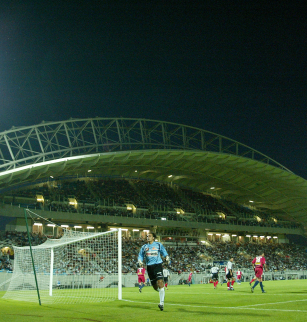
(236,68)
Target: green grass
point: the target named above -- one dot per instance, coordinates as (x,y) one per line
(284,301)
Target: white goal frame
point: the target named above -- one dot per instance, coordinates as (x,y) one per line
(69,237)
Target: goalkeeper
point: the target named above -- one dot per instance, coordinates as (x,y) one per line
(151,253)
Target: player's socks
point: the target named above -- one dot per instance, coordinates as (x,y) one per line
(228,284)
(166,285)
(232,282)
(253,280)
(161,295)
(256,283)
(261,285)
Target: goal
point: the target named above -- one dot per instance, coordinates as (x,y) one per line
(78,267)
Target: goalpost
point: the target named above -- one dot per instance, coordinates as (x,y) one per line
(79,267)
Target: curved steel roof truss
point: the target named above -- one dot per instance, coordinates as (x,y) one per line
(54,140)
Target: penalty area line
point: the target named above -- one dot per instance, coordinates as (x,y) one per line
(227,307)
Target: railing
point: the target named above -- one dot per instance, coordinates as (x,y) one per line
(122,212)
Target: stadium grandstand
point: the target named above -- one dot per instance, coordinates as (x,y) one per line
(204,193)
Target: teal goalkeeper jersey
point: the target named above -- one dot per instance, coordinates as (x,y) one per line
(152,253)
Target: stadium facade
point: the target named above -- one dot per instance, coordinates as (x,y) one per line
(176,155)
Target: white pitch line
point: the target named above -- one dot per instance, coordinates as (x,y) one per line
(244,294)
(261,309)
(228,307)
(272,303)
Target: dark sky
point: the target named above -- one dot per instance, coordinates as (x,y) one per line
(236,68)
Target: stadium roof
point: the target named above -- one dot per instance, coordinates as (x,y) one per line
(151,150)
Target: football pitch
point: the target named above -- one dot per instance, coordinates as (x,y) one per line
(284,301)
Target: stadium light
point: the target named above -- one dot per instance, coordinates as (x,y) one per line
(51,225)
(212,188)
(275,237)
(163,218)
(90,227)
(135,170)
(38,224)
(125,229)
(64,226)
(135,230)
(218,234)
(77,226)
(268,237)
(255,236)
(234,235)
(40,199)
(89,170)
(210,234)
(170,175)
(251,201)
(51,177)
(247,235)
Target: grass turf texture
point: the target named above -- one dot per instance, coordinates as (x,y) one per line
(284,301)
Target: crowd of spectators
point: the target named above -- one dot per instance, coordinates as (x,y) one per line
(184,256)
(5,264)
(13,238)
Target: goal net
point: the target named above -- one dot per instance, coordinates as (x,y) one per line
(78,267)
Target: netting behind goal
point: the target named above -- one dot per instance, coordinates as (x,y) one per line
(79,267)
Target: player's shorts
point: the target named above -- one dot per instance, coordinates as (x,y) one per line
(229,276)
(258,272)
(141,279)
(155,273)
(215,276)
(238,277)
(165,279)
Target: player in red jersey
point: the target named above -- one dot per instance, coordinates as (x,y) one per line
(141,277)
(258,265)
(239,276)
(190,278)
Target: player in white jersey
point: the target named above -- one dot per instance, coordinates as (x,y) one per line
(215,275)
(166,277)
(229,275)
